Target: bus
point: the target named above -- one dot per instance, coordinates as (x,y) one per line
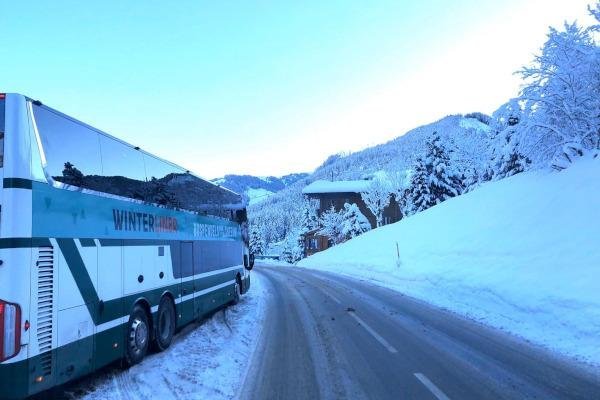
(105,250)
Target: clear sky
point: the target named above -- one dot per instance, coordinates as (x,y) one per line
(269,87)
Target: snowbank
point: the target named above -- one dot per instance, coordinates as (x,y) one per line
(521,254)
(209,361)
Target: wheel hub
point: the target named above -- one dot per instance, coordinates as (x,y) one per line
(139,335)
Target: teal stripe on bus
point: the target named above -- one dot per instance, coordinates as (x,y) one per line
(80,275)
(17,183)
(87,242)
(23,243)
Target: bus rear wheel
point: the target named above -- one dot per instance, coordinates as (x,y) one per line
(165,324)
(138,336)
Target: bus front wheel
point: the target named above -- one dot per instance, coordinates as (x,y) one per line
(138,336)
(165,325)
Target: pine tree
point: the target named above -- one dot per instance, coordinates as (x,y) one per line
(293,247)
(309,219)
(354,222)
(470,179)
(511,164)
(287,253)
(331,223)
(444,181)
(71,175)
(257,243)
(419,196)
(433,180)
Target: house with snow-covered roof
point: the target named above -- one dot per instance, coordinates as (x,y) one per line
(336,194)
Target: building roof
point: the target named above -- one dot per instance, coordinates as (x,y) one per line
(336,187)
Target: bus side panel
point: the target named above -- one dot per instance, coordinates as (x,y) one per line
(183,261)
(110,336)
(74,356)
(77,308)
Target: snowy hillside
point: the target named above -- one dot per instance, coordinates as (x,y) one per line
(522,254)
(467,140)
(467,137)
(256,189)
(257,195)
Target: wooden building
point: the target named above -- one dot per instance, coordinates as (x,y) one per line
(336,194)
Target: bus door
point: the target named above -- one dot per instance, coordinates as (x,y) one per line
(187,282)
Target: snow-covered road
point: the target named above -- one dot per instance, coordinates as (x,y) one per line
(333,337)
(205,361)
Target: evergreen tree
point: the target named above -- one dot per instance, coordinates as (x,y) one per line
(331,223)
(293,247)
(71,175)
(470,180)
(419,197)
(257,243)
(434,180)
(354,222)
(444,182)
(511,164)
(309,218)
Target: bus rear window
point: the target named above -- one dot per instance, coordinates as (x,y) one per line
(2,101)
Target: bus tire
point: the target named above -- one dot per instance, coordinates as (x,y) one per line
(138,336)
(165,324)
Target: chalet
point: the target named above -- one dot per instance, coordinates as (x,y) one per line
(336,194)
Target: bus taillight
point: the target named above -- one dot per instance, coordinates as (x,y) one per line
(10,330)
(2,96)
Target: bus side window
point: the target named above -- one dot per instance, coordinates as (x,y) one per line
(72,149)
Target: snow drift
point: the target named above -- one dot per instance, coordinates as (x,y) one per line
(521,254)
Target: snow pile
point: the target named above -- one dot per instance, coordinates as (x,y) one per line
(522,254)
(204,362)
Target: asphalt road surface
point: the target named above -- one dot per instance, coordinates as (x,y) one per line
(330,337)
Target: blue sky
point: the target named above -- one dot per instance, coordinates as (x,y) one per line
(269,88)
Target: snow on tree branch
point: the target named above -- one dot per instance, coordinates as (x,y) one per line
(377,197)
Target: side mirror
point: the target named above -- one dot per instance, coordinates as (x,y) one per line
(251,260)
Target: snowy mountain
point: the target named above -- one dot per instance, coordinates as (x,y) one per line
(506,253)
(256,189)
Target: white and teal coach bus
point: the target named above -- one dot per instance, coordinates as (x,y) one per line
(105,250)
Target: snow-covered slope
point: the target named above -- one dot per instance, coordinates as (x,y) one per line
(522,253)
(467,138)
(257,195)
